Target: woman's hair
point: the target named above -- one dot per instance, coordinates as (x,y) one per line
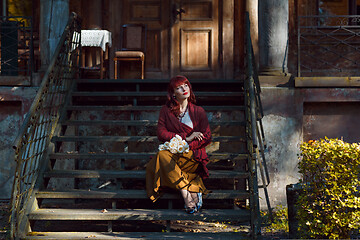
(172,102)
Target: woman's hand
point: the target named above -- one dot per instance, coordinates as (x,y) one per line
(195,135)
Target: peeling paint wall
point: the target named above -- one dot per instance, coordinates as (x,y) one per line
(342,120)
(14,104)
(282,148)
(53,18)
(282,127)
(9,124)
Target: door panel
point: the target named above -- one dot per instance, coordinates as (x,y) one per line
(195,50)
(155,14)
(197,11)
(154,46)
(148,11)
(195,38)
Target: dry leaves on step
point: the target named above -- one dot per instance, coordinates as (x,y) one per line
(91,236)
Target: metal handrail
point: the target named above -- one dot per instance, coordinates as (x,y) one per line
(33,140)
(328,45)
(253,90)
(255,132)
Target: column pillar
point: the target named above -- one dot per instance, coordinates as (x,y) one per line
(54,15)
(252,8)
(273,36)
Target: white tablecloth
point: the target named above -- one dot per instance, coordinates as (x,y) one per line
(96,38)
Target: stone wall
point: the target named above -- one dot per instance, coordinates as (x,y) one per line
(14,104)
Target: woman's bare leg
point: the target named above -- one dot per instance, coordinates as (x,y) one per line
(188,198)
(194,196)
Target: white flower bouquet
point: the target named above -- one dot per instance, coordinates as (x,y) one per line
(175,145)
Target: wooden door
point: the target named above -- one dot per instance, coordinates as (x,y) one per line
(195,38)
(155,14)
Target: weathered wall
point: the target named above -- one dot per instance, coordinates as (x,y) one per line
(293,115)
(53,19)
(341,118)
(282,126)
(273,36)
(14,104)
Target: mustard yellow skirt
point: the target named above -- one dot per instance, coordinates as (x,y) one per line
(176,171)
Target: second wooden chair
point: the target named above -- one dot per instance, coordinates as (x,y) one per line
(133,46)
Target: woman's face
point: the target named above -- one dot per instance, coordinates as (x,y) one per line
(182,92)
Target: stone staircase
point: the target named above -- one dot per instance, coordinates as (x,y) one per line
(94,184)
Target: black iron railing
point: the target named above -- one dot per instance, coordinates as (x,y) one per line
(255,134)
(329,45)
(17,47)
(32,144)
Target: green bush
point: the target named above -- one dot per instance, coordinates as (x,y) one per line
(280,221)
(329,206)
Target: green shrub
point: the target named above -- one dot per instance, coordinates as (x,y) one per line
(329,206)
(280,221)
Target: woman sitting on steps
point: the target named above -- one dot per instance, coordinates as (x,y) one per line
(181,162)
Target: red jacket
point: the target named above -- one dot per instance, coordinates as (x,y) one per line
(169,125)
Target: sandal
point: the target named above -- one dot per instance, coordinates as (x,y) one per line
(191,210)
(198,205)
(200,202)
(194,201)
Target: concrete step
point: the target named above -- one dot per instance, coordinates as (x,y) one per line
(133,194)
(133,139)
(135,235)
(146,108)
(149,94)
(139,123)
(133,174)
(139,155)
(239,215)
(165,81)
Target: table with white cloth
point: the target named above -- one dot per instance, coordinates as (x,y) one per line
(95,45)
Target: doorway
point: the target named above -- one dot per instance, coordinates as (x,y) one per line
(185,37)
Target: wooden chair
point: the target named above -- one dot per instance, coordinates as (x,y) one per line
(132,46)
(94,62)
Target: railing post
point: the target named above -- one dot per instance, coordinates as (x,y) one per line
(256,142)
(252,111)
(298,48)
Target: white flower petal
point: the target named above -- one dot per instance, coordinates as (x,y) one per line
(181,149)
(173,141)
(173,144)
(178,137)
(173,150)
